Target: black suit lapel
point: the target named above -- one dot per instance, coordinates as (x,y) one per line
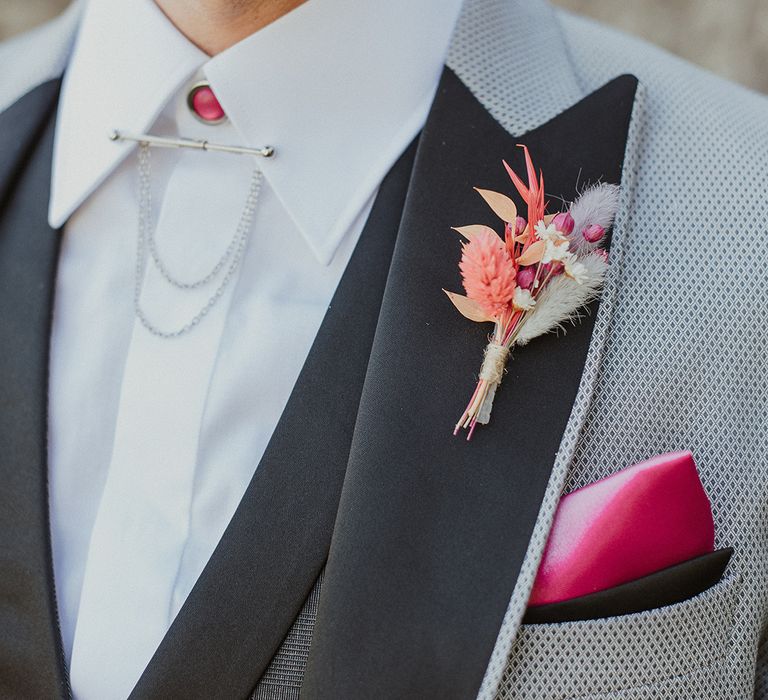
(432,530)
(258,578)
(31,661)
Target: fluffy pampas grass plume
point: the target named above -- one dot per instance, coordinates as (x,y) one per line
(562,299)
(595,206)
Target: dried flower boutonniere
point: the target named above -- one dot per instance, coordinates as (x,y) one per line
(539,276)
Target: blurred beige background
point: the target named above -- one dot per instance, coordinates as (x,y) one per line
(729,37)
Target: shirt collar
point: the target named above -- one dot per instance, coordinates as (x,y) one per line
(338,88)
(127,62)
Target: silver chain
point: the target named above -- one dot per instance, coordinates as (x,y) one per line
(146,239)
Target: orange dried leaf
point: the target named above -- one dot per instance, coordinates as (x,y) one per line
(468,307)
(517,182)
(533,254)
(523,237)
(532,184)
(472,230)
(501,205)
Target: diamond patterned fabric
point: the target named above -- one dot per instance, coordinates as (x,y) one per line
(683,367)
(629,651)
(283,677)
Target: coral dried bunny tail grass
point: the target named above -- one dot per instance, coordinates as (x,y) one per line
(488,272)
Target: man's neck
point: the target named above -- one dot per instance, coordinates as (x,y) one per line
(215,25)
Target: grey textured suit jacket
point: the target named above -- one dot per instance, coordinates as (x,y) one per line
(676,360)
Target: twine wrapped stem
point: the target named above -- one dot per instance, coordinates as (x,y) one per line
(491,373)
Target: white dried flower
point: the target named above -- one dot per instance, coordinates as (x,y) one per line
(576,270)
(523,300)
(549,233)
(554,252)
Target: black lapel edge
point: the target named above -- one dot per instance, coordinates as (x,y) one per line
(22,126)
(349,656)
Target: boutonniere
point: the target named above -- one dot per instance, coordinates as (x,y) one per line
(539,276)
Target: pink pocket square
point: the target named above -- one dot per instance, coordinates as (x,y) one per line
(645,518)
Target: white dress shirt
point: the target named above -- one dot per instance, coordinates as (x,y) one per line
(153,441)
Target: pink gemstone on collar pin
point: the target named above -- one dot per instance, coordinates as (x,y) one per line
(204,105)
